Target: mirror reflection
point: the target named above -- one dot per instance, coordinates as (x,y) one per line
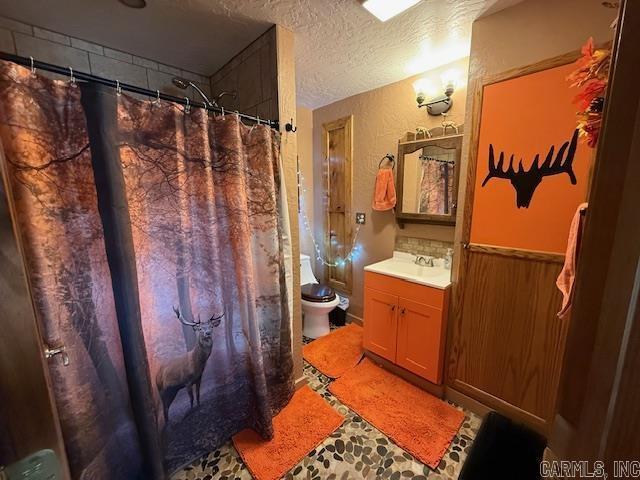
(429,175)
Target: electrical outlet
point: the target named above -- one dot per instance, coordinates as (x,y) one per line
(360,218)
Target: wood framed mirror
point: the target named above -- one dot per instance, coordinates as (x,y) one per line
(427,181)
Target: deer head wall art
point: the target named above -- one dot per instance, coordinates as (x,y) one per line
(524,181)
(186,370)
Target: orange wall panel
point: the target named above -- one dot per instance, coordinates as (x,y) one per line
(524,116)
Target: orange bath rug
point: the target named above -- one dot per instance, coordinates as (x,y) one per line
(303,424)
(336,352)
(418,422)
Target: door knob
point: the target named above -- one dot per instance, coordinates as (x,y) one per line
(52,352)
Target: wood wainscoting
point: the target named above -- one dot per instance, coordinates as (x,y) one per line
(506,342)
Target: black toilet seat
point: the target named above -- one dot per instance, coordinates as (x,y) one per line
(318,293)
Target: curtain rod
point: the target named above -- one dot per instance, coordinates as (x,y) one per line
(29,62)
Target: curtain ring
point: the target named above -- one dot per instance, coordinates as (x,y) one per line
(118,87)
(258,118)
(187,108)
(33,68)
(72,79)
(222,108)
(157,100)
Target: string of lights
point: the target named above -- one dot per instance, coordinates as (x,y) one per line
(338,261)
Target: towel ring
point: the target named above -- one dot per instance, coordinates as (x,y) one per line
(391,159)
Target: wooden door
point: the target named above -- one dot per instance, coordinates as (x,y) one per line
(380,323)
(337,152)
(419,346)
(28,417)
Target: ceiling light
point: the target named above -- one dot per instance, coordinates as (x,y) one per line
(386,9)
(134,3)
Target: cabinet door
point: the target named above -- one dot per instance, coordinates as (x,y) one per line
(380,323)
(420,340)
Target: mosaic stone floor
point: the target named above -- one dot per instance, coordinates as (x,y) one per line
(355,450)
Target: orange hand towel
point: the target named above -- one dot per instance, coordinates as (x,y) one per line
(384,196)
(568,274)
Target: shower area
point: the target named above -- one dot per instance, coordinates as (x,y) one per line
(149,305)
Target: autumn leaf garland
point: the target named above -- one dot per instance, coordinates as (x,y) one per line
(591,75)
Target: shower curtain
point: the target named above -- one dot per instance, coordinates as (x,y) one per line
(436,187)
(156,246)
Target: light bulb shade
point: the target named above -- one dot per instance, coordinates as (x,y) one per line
(451,78)
(421,86)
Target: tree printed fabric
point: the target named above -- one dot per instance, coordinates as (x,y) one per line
(198,199)
(48,162)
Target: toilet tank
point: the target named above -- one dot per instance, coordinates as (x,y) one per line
(306,274)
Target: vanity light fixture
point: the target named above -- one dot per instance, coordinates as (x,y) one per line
(383,10)
(437,104)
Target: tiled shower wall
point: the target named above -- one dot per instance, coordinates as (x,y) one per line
(52,47)
(253,75)
(422,246)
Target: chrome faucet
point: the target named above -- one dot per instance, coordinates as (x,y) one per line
(424,261)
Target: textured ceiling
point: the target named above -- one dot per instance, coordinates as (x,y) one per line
(341,49)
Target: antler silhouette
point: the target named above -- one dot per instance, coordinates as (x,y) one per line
(524,181)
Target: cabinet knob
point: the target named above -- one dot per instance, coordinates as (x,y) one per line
(402,310)
(393,308)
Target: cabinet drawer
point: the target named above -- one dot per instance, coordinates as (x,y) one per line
(434,297)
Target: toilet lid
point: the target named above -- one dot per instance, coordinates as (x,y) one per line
(314,292)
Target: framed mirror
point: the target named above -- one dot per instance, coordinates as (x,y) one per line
(427,182)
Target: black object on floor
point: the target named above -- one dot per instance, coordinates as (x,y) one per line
(504,450)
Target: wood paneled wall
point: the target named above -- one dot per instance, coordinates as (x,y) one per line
(506,343)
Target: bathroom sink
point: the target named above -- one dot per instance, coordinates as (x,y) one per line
(402,265)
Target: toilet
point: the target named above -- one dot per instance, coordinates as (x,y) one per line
(317,301)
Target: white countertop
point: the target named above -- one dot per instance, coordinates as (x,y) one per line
(402,265)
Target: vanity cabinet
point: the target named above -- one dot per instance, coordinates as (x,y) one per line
(405,323)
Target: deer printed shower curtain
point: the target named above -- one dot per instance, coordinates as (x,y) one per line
(156,245)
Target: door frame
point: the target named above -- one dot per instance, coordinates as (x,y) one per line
(28,404)
(347,124)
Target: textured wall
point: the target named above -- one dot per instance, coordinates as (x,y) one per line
(305,163)
(57,48)
(543,29)
(253,76)
(381,117)
(287,109)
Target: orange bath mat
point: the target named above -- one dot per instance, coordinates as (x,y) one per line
(336,352)
(303,424)
(418,422)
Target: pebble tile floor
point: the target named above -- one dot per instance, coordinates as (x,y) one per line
(355,450)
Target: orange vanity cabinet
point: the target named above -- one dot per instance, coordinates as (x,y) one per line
(405,323)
